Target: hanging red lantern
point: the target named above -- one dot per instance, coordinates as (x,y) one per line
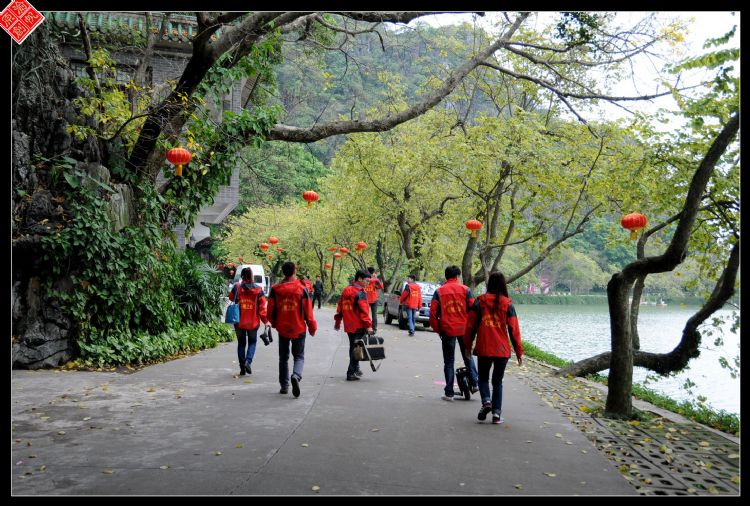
(310,197)
(328,266)
(337,255)
(634,222)
(473,225)
(179,157)
(361,246)
(264,246)
(332,248)
(273,240)
(270,257)
(241,259)
(280,250)
(344,250)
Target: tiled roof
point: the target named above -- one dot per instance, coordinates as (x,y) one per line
(180,29)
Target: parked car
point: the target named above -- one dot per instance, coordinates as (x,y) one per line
(259,277)
(392,309)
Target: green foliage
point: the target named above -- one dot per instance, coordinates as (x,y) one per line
(100,349)
(200,289)
(575,28)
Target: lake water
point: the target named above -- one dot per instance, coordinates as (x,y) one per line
(578,332)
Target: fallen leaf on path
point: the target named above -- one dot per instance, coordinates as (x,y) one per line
(584,451)
(218,453)
(86,419)
(374,430)
(713,490)
(558,434)
(518,486)
(151,390)
(108,471)
(163,467)
(734,456)
(551,475)
(568,443)
(315,488)
(247,382)
(45,418)
(238,445)
(19,462)
(61,432)
(704,444)
(735,479)
(304,445)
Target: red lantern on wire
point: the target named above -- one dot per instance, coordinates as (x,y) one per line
(179,157)
(344,250)
(328,266)
(310,196)
(633,222)
(361,246)
(273,240)
(473,225)
(332,248)
(337,255)
(264,246)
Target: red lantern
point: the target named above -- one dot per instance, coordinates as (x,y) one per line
(634,222)
(337,255)
(473,225)
(344,250)
(361,246)
(179,157)
(273,240)
(241,259)
(332,248)
(270,257)
(328,266)
(264,246)
(310,197)
(280,250)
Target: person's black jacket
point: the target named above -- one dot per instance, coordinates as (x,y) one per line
(318,287)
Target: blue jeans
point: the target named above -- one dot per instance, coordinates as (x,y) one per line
(353,362)
(497,381)
(298,352)
(411,317)
(251,338)
(449,353)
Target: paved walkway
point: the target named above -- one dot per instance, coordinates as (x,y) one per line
(191,426)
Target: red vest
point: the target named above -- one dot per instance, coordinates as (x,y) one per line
(450,307)
(411,297)
(252,305)
(353,309)
(371,289)
(494,328)
(290,309)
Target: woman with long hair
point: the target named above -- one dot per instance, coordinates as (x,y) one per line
(493,320)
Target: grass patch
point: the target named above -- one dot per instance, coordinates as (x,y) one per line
(721,420)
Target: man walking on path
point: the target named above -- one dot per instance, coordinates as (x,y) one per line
(355,311)
(317,291)
(291,314)
(448,313)
(411,297)
(372,295)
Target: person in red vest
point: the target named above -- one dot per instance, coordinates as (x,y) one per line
(411,297)
(371,289)
(354,310)
(493,320)
(309,287)
(449,310)
(290,312)
(252,303)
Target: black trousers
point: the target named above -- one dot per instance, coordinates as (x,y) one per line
(374,313)
(317,296)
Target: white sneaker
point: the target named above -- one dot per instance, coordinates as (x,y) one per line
(446,398)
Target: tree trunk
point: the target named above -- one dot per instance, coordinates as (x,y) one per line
(620,385)
(634,308)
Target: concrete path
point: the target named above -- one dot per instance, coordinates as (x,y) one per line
(192,426)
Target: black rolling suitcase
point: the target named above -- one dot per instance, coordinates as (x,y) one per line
(463,378)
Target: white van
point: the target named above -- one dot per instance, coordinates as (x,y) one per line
(259,276)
